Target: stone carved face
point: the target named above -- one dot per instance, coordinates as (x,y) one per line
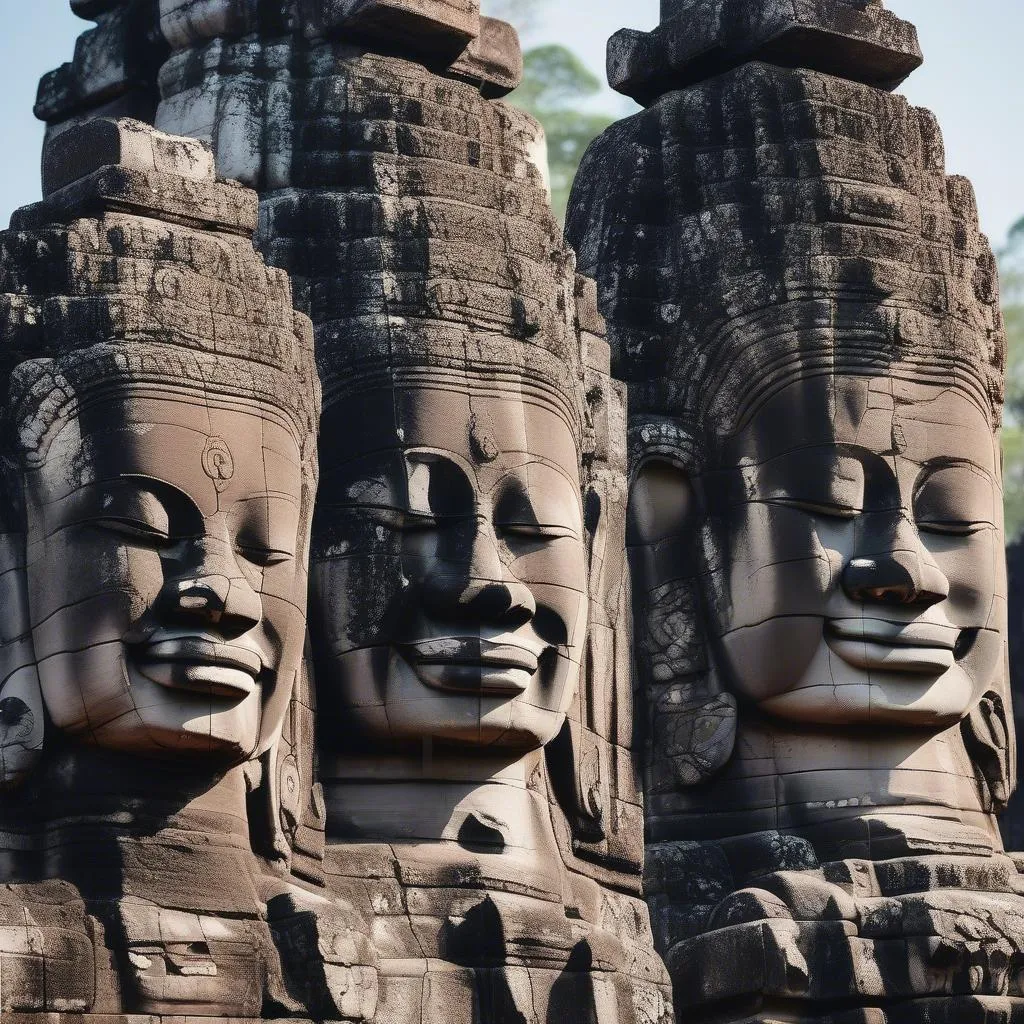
(449,578)
(850,553)
(165,573)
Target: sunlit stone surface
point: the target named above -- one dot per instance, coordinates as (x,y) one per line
(807,318)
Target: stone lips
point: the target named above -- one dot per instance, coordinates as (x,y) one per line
(796,194)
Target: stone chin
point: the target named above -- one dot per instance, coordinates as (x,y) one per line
(152,719)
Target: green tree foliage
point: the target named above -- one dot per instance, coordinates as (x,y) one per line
(1011,269)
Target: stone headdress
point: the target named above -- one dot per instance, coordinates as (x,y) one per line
(814,229)
(138,266)
(775,213)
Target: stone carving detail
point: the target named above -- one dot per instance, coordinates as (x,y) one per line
(470,627)
(481,805)
(158,579)
(807,319)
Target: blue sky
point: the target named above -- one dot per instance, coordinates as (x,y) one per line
(974,54)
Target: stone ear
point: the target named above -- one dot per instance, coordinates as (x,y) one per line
(286,817)
(692,719)
(989,738)
(661,502)
(22,714)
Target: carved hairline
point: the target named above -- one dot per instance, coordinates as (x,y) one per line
(717,397)
(47,392)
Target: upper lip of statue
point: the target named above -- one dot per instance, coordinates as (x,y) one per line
(473,663)
(199,662)
(918,647)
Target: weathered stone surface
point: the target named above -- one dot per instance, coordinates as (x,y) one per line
(493,60)
(133,145)
(698,39)
(790,279)
(185,23)
(114,68)
(223,205)
(413,27)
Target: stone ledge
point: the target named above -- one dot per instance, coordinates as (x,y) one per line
(699,39)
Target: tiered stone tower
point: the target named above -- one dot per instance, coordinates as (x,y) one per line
(807,319)
(471,634)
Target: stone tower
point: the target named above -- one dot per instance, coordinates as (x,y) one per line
(807,319)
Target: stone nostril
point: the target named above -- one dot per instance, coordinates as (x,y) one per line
(892,595)
(205,595)
(897,578)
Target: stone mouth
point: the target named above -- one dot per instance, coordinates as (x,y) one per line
(882,645)
(473,665)
(199,664)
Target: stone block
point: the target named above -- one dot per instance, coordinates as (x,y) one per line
(493,61)
(434,29)
(187,23)
(222,205)
(699,39)
(87,147)
(122,54)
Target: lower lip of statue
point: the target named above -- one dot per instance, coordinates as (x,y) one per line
(209,680)
(473,666)
(213,670)
(914,649)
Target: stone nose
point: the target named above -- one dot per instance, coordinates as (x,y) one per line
(228,605)
(475,587)
(498,603)
(900,571)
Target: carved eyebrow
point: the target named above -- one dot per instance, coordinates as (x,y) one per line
(166,492)
(952,461)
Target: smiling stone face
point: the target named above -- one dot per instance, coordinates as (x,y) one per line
(449,574)
(855,576)
(166,584)
(850,552)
